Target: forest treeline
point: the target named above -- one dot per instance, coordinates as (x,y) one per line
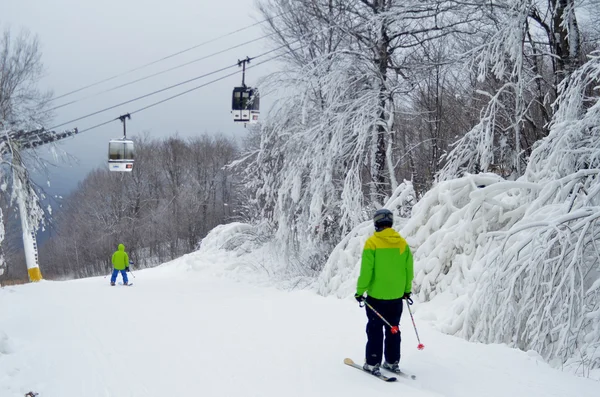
(180,190)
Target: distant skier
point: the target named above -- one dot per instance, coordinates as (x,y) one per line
(120,261)
(386,275)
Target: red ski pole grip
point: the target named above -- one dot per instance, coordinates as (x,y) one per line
(395,329)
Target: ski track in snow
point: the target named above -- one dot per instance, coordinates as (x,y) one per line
(183,332)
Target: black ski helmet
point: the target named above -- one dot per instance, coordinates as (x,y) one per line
(383,218)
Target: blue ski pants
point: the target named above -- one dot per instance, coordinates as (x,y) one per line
(115,273)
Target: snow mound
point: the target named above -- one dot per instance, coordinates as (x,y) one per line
(246,252)
(235,237)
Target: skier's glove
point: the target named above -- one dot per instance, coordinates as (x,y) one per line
(359,298)
(407,297)
(127,269)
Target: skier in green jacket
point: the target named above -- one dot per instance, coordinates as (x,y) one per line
(386,275)
(120,261)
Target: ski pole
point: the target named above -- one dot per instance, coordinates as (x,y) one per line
(408,303)
(394,328)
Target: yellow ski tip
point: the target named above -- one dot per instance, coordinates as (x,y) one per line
(348,361)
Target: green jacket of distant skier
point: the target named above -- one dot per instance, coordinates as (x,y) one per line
(120,259)
(386,270)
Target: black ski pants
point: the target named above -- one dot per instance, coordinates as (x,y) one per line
(391,310)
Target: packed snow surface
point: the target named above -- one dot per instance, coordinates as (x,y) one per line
(183,329)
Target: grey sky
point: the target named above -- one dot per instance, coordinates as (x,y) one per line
(85,41)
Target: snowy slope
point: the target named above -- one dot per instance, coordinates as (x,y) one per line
(182,331)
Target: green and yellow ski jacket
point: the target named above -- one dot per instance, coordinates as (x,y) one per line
(120,259)
(386,270)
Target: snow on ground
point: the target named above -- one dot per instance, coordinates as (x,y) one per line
(182,330)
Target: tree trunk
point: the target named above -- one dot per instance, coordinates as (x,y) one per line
(383,47)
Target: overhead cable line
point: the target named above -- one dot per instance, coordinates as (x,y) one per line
(178,84)
(161,72)
(168,56)
(143,96)
(200,86)
(187,91)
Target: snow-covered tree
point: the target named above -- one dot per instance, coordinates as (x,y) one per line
(23,110)
(521,258)
(513,262)
(327,149)
(533,46)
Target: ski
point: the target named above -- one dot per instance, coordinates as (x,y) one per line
(401,373)
(348,361)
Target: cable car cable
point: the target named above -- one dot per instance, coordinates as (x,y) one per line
(193,79)
(196,88)
(143,96)
(161,72)
(188,91)
(168,56)
(172,86)
(98,125)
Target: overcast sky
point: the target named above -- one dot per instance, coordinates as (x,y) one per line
(85,41)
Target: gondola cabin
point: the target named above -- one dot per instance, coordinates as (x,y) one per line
(245,105)
(120,155)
